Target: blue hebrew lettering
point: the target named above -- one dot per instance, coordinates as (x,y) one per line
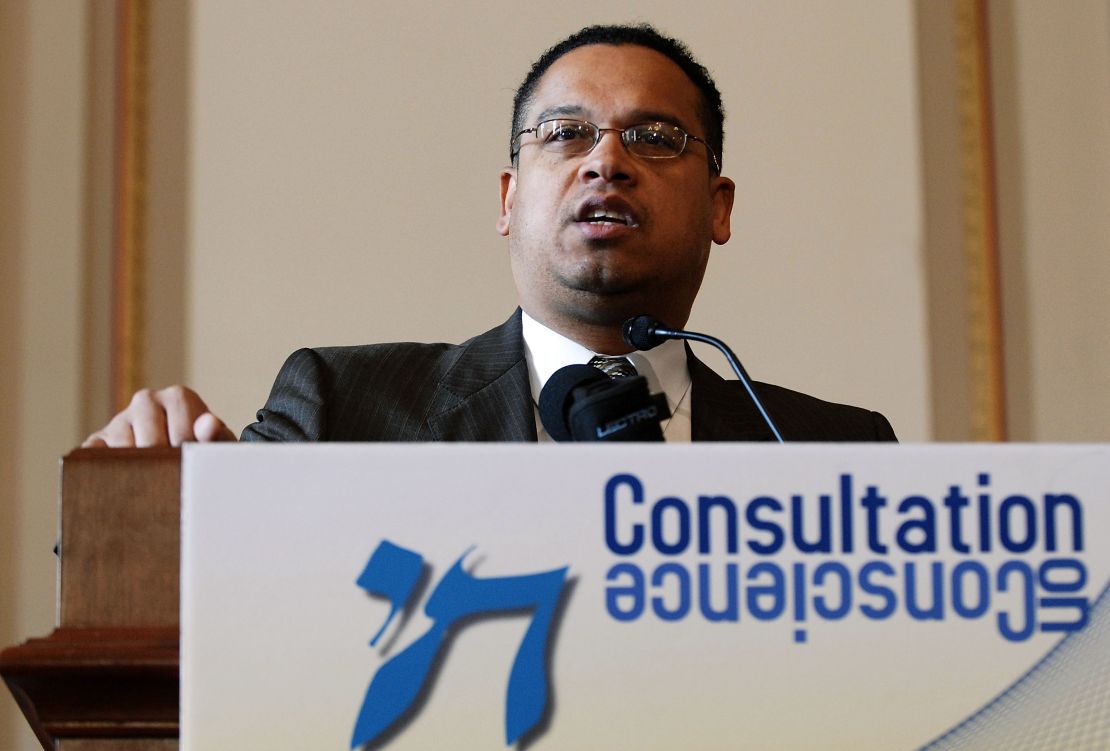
(391,572)
(457,596)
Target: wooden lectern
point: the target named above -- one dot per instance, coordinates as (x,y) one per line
(107,677)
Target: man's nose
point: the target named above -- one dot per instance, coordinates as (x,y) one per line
(609,160)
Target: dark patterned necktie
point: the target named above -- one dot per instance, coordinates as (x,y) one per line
(614,367)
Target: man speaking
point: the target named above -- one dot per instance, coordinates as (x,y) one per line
(611,203)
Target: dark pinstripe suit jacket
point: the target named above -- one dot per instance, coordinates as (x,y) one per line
(479,391)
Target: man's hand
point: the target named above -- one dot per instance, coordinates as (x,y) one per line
(168,417)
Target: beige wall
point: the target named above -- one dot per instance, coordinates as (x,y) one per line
(42,100)
(1053,123)
(278,219)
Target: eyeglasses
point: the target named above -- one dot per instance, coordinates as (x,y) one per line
(577,137)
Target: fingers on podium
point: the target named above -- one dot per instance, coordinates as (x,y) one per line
(167,417)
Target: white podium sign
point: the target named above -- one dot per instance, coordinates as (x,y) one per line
(645,597)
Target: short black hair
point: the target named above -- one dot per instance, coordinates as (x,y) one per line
(711,111)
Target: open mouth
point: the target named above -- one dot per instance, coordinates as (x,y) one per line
(607,212)
(607,217)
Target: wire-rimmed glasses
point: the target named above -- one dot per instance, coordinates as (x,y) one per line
(568,137)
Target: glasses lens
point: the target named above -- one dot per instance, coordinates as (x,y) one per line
(655,140)
(567,136)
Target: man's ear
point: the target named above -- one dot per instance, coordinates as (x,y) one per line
(724,192)
(508,193)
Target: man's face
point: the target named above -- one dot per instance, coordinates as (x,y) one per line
(573,271)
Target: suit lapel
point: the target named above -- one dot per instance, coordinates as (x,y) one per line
(721,410)
(485,394)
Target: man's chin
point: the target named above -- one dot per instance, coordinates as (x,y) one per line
(607,302)
(602,288)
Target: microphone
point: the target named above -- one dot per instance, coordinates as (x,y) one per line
(645,332)
(581,403)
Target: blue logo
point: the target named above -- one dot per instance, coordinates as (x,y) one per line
(394,572)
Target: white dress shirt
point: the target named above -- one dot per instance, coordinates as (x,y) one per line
(664,367)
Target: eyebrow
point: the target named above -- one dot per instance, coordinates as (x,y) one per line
(642,116)
(560,111)
(637,116)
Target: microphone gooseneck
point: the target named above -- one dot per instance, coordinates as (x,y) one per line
(645,332)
